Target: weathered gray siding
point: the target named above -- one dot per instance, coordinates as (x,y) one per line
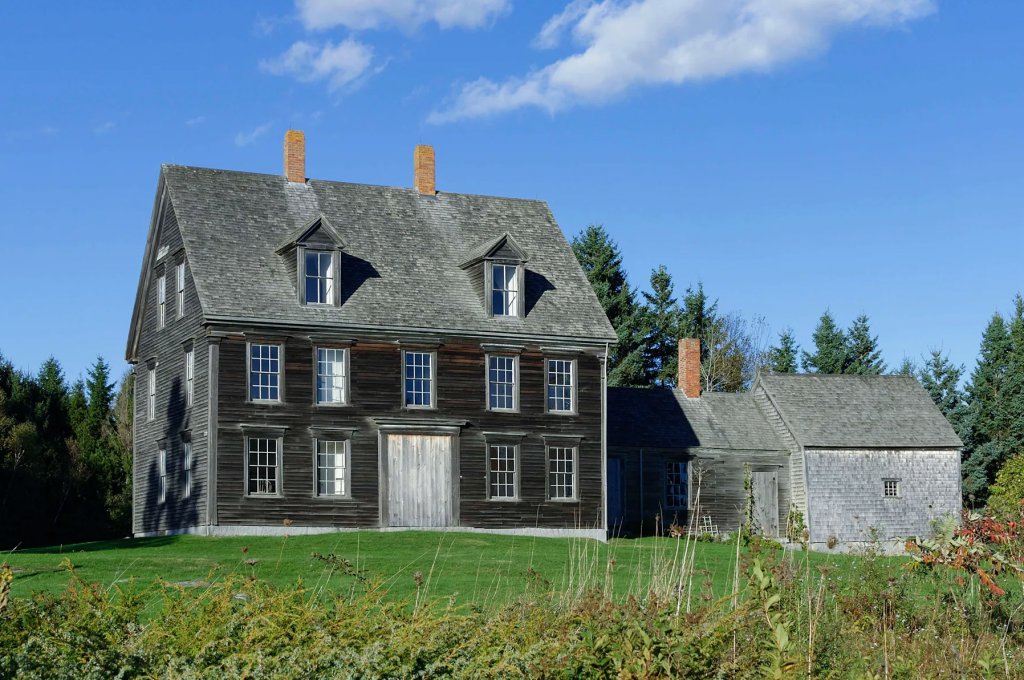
(846,492)
(166,349)
(795,465)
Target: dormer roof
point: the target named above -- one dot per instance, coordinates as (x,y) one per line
(302,234)
(504,245)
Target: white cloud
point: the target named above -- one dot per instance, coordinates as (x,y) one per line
(650,42)
(406,14)
(104,128)
(195,121)
(247,138)
(339,64)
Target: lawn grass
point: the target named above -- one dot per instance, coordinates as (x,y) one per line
(479,568)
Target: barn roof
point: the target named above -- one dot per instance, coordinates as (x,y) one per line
(668,419)
(400,263)
(858,411)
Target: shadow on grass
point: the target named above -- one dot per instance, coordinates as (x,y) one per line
(96,546)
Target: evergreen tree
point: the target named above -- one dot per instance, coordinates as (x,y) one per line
(697,317)
(601,261)
(662,342)
(906,367)
(863,355)
(831,351)
(782,358)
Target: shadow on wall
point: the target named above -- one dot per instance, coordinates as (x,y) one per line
(354,273)
(536,285)
(176,511)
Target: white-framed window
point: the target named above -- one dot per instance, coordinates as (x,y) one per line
(161,491)
(561,379)
(502,378)
(190,376)
(562,472)
(419,379)
(262,466)
(186,466)
(180,281)
(504,290)
(319,278)
(264,372)
(331,468)
(331,372)
(501,471)
(675,484)
(891,488)
(161,301)
(151,394)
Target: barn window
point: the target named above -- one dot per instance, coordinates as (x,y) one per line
(264,372)
(190,376)
(330,375)
(419,379)
(502,471)
(501,383)
(186,466)
(891,488)
(561,384)
(504,290)
(319,278)
(161,492)
(331,468)
(262,466)
(161,301)
(675,485)
(180,277)
(562,473)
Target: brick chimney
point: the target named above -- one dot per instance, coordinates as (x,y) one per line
(423,175)
(689,367)
(295,156)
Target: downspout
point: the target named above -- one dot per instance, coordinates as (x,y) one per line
(604,437)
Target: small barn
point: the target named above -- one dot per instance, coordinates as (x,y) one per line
(854,457)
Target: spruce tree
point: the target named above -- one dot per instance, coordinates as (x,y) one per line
(863,355)
(697,317)
(831,352)
(942,380)
(662,342)
(782,358)
(906,367)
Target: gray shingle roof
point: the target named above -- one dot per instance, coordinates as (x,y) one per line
(855,411)
(400,267)
(666,418)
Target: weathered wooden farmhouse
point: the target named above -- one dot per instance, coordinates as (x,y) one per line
(856,458)
(320,356)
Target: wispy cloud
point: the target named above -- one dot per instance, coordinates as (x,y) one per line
(405,14)
(104,128)
(195,121)
(49,130)
(339,64)
(247,138)
(626,44)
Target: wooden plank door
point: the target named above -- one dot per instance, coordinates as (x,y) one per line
(766,503)
(419,480)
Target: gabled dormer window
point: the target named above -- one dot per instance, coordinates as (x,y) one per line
(504,289)
(316,247)
(497,267)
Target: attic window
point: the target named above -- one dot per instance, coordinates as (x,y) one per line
(891,488)
(319,278)
(505,290)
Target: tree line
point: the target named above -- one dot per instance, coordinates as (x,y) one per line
(65,455)
(986,410)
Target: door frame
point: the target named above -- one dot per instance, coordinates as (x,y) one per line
(774,470)
(383,431)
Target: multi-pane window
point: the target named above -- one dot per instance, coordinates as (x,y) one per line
(161,301)
(560,385)
(503,471)
(561,472)
(264,372)
(161,492)
(262,466)
(151,395)
(504,290)
(331,468)
(891,488)
(675,485)
(190,376)
(330,376)
(180,280)
(186,466)
(319,279)
(501,383)
(419,379)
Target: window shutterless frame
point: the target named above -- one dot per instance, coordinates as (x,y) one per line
(327,281)
(332,467)
(331,375)
(510,290)
(161,493)
(180,287)
(676,485)
(151,393)
(501,382)
(562,471)
(186,466)
(263,464)
(891,488)
(503,470)
(260,368)
(419,379)
(560,386)
(161,301)
(190,376)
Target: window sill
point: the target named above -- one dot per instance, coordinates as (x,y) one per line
(332,499)
(419,408)
(564,414)
(504,500)
(263,495)
(503,410)
(333,404)
(568,501)
(264,402)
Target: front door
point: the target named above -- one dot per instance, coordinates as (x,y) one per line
(766,503)
(615,509)
(419,480)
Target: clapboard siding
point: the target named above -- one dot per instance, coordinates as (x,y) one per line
(165,349)
(376,391)
(797,477)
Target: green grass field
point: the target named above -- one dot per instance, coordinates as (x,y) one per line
(480,568)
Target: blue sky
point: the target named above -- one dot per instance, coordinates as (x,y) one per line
(856,155)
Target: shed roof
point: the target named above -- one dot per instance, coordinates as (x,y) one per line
(858,411)
(400,267)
